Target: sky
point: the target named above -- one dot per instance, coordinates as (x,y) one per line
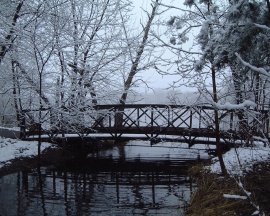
(155,80)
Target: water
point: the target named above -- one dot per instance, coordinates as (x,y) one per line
(128,180)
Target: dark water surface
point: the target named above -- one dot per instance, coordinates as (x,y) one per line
(112,182)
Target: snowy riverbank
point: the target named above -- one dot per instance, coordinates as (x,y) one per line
(246,191)
(237,160)
(11,149)
(241,160)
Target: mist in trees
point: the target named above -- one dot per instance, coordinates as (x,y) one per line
(68,56)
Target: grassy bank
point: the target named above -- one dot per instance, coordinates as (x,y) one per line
(209,197)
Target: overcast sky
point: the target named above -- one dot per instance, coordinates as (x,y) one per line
(154,79)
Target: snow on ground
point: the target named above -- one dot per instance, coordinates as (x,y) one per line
(239,160)
(230,196)
(12,148)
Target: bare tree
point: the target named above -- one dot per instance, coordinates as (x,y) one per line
(8,36)
(93,40)
(89,53)
(135,61)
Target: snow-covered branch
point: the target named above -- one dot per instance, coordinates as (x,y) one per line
(262,26)
(252,67)
(248,195)
(174,7)
(227,105)
(230,196)
(176,48)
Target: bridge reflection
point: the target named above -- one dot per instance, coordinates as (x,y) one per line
(98,188)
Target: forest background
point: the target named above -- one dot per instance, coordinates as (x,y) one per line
(70,55)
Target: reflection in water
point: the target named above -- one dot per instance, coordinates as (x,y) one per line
(61,192)
(98,186)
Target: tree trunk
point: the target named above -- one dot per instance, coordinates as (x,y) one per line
(33,84)
(217,129)
(268,5)
(16,95)
(237,84)
(135,63)
(243,125)
(134,67)
(8,39)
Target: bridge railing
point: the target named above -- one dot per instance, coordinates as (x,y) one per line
(149,119)
(177,116)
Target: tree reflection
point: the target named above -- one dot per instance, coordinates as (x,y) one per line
(41,191)
(130,187)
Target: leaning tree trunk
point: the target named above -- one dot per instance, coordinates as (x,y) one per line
(134,67)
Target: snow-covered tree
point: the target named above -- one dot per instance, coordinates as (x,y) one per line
(239,34)
(199,67)
(140,54)
(219,30)
(10,14)
(67,56)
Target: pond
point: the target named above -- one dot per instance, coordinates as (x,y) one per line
(134,179)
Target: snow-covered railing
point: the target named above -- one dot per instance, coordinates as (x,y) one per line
(151,120)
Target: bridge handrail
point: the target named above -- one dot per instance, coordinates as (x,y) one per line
(114,115)
(123,106)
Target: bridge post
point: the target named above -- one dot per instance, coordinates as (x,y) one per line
(22,125)
(200,117)
(190,120)
(110,120)
(152,122)
(116,122)
(138,119)
(169,115)
(267,123)
(231,120)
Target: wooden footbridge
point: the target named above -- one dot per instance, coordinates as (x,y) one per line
(153,122)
